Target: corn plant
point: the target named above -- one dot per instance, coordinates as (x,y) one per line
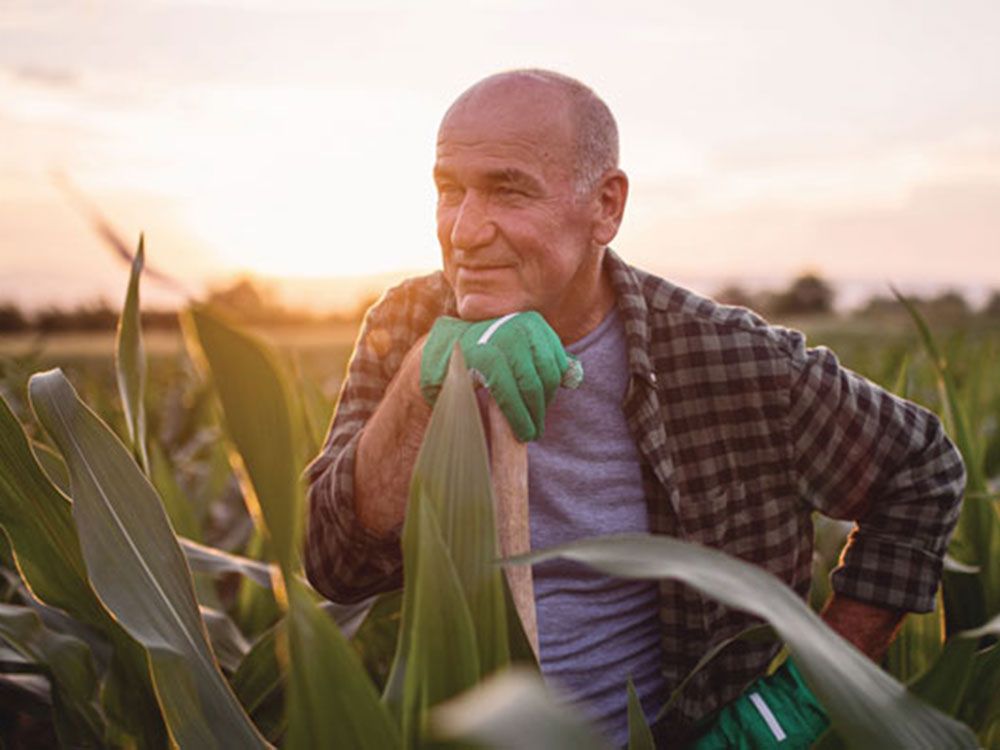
(106,605)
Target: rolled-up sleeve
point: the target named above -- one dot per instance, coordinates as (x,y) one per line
(863,454)
(344,560)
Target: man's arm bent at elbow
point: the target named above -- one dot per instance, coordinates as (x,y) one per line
(358,483)
(388,449)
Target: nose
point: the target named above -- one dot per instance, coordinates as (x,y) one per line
(472,226)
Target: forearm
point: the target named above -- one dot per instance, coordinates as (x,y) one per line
(868,627)
(388,449)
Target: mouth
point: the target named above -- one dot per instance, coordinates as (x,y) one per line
(480,271)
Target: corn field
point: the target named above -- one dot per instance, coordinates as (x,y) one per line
(121,626)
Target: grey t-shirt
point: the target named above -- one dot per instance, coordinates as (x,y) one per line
(584,479)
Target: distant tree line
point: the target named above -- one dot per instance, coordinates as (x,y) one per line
(809,295)
(243,301)
(246,301)
(93,316)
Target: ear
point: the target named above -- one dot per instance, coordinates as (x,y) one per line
(610,195)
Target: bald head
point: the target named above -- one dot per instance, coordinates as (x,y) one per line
(591,128)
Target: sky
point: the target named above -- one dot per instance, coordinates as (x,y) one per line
(295,138)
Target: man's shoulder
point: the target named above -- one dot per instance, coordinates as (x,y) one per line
(414,301)
(682,314)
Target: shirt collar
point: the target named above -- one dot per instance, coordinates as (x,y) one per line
(634,313)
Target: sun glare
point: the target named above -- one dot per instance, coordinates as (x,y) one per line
(275,179)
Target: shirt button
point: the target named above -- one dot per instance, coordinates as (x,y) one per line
(652,378)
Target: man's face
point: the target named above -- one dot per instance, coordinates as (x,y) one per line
(514,235)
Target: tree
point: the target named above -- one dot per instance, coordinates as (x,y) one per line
(12,320)
(992,309)
(808,294)
(734,294)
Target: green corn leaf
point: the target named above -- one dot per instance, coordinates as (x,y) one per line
(332,703)
(68,662)
(867,707)
(902,385)
(316,412)
(948,683)
(639,735)
(204,559)
(261,674)
(52,465)
(377,635)
(443,659)
(257,609)
(981,707)
(38,521)
(514,709)
(137,568)
(228,643)
(918,644)
(130,362)
(977,535)
(991,628)
(179,509)
(943,685)
(257,409)
(452,471)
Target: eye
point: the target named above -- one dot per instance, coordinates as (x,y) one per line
(509,191)
(449,193)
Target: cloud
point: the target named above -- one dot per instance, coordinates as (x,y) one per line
(943,230)
(47,77)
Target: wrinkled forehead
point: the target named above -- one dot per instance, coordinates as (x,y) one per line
(524,114)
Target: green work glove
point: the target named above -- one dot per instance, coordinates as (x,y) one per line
(518,357)
(778,711)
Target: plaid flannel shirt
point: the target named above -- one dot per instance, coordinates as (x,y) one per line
(744,433)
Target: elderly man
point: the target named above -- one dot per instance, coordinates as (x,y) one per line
(693,419)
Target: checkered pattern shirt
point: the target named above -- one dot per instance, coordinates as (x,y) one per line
(743,433)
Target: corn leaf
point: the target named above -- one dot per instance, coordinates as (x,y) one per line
(316,411)
(377,635)
(981,707)
(452,473)
(261,674)
(257,409)
(39,524)
(443,659)
(963,680)
(452,470)
(139,572)
(130,362)
(52,466)
(977,536)
(514,709)
(332,703)
(204,559)
(918,644)
(867,707)
(228,643)
(639,735)
(179,509)
(71,672)
(943,685)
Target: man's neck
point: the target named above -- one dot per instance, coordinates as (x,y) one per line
(580,316)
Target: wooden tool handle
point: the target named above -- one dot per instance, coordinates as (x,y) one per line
(509,465)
